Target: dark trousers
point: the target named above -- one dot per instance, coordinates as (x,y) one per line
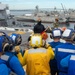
(53,72)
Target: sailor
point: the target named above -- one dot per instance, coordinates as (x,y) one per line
(4,70)
(56,35)
(37,58)
(69,62)
(63,50)
(39,28)
(56,23)
(9,58)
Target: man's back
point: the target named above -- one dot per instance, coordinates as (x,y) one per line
(69,62)
(37,61)
(61,52)
(13,63)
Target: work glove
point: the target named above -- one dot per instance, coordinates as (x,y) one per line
(47,46)
(17,49)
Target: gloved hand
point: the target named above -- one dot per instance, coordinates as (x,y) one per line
(47,45)
(17,49)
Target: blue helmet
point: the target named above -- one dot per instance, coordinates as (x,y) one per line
(56,33)
(68,34)
(4,43)
(11,43)
(17,39)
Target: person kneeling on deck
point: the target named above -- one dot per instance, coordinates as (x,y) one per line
(37,58)
(8,57)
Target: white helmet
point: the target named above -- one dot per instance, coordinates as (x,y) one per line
(68,34)
(56,33)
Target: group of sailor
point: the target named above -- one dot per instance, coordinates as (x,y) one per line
(41,59)
(8,60)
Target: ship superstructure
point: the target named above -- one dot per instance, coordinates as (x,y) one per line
(6,18)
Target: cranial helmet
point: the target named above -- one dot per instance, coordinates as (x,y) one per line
(11,43)
(68,34)
(4,43)
(17,39)
(56,33)
(36,40)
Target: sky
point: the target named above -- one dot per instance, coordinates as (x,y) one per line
(30,4)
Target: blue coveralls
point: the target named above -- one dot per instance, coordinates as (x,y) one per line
(13,63)
(69,62)
(53,63)
(4,70)
(61,51)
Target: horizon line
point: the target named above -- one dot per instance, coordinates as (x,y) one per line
(43,8)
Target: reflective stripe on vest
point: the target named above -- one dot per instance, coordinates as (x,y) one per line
(72,57)
(37,51)
(4,57)
(53,49)
(66,50)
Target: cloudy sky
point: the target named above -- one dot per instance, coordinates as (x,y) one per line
(30,4)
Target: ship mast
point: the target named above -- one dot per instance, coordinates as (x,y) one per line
(63,9)
(36,10)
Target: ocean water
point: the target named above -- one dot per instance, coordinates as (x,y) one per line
(21,12)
